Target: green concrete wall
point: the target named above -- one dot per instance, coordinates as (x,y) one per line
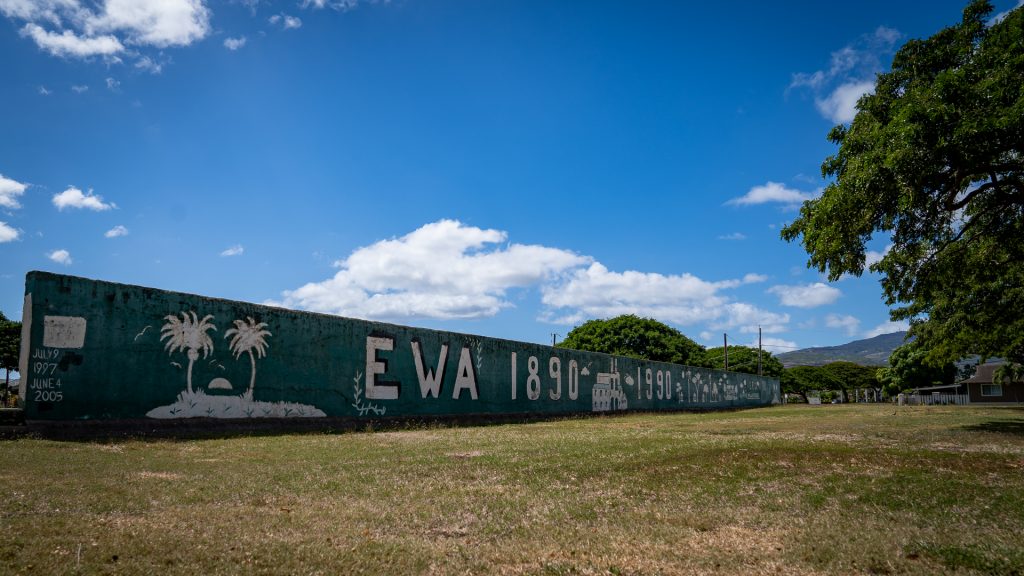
(99,350)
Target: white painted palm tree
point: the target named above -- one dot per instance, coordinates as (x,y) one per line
(246,336)
(188,334)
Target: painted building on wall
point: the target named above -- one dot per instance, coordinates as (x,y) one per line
(100,350)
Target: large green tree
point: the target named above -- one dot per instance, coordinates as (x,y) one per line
(842,376)
(934,159)
(846,376)
(909,369)
(744,359)
(803,379)
(851,375)
(10,347)
(636,337)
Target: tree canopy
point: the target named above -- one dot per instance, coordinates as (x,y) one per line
(803,379)
(840,375)
(908,369)
(10,345)
(743,359)
(850,375)
(635,337)
(934,159)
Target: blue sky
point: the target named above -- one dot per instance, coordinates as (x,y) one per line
(502,168)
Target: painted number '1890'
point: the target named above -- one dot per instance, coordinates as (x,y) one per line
(533,379)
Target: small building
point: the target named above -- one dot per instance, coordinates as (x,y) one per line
(983,386)
(942,395)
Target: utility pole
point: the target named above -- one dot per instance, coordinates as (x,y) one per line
(725,340)
(553,338)
(759,350)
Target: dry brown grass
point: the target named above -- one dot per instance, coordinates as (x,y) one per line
(826,490)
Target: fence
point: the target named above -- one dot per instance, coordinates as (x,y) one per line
(935,399)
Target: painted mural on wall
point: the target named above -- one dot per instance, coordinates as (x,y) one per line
(103,350)
(218,399)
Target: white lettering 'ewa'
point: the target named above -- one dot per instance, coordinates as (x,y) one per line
(430,380)
(374,366)
(466,377)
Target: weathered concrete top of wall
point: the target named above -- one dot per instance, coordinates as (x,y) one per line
(100,350)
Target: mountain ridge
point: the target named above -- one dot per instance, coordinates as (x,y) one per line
(869,352)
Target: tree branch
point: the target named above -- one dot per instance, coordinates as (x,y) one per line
(953,241)
(953,206)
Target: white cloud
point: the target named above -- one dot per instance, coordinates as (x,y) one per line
(888,37)
(164,23)
(807,324)
(79,88)
(234,43)
(69,44)
(807,295)
(747,318)
(113,85)
(841,105)
(775,345)
(80,29)
(445,269)
(26,9)
(74,198)
(733,236)
(849,76)
(752,278)
(340,5)
(773,192)
(596,292)
(887,328)
(874,257)
(116,231)
(8,233)
(844,322)
(43,91)
(1002,15)
(149,65)
(285,21)
(236,250)
(10,190)
(60,257)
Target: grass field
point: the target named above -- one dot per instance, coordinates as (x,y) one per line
(787,490)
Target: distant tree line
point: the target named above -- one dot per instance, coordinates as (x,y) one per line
(648,339)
